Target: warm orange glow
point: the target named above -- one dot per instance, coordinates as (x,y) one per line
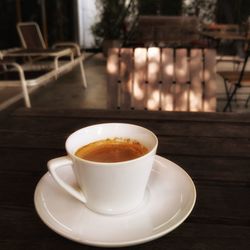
(153,64)
(112,66)
(210,104)
(153,68)
(181,68)
(181,72)
(153,52)
(167,102)
(153,102)
(123,68)
(169,69)
(174,91)
(206,75)
(195,101)
(153,72)
(181,98)
(140,56)
(138,92)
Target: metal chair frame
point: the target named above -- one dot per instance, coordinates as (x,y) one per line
(236,85)
(59,51)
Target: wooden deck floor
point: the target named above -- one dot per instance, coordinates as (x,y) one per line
(67,92)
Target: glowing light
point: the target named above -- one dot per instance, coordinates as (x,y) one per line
(112,66)
(167,102)
(153,102)
(138,93)
(140,56)
(207,75)
(153,68)
(169,70)
(181,72)
(195,101)
(153,52)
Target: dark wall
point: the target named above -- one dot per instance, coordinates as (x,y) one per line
(60,20)
(160,7)
(232,11)
(8,35)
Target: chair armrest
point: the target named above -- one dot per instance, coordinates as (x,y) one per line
(15,65)
(68,44)
(12,64)
(22,79)
(4,53)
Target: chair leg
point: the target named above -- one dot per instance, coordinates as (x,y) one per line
(227,93)
(248,99)
(24,85)
(84,80)
(228,104)
(26,95)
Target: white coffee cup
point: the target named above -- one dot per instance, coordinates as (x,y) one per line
(108,188)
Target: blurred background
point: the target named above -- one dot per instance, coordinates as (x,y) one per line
(88,22)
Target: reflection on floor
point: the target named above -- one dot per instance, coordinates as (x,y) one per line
(68,92)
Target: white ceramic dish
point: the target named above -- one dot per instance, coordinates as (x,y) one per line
(169,199)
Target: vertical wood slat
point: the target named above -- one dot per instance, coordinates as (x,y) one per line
(126,77)
(140,76)
(182,83)
(181,78)
(210,80)
(113,77)
(196,67)
(167,72)
(153,78)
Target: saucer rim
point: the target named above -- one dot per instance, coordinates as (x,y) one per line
(149,238)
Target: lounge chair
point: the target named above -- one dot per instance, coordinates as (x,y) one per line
(31,66)
(33,42)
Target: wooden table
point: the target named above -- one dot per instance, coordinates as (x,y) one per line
(217,35)
(214,148)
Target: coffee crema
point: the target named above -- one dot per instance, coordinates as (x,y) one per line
(112,150)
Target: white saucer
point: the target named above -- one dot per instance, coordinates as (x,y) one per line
(171,198)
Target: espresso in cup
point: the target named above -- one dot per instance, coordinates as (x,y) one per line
(112,150)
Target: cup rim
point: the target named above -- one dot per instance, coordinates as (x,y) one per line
(112,163)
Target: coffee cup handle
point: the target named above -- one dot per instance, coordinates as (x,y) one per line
(60,162)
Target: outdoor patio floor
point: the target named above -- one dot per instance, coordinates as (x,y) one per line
(68,92)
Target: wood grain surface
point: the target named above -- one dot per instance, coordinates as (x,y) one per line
(213,148)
